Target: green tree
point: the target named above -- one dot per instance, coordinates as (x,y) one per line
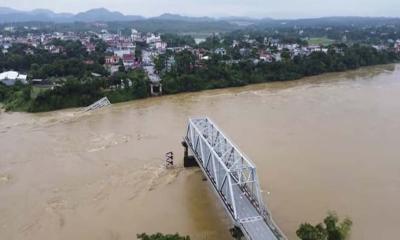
(140,83)
(332,229)
(310,232)
(160,62)
(185,61)
(138,52)
(121,67)
(336,230)
(175,40)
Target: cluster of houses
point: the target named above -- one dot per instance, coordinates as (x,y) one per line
(268,50)
(44,40)
(121,49)
(271,53)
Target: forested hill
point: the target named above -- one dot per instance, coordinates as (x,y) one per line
(178,23)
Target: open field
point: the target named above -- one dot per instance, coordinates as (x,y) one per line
(320,41)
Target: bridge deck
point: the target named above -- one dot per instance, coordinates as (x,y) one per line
(234,179)
(255,226)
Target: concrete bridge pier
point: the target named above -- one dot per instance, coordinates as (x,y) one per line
(188,161)
(155,89)
(236,233)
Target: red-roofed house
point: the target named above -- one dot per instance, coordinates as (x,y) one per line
(112,60)
(128,60)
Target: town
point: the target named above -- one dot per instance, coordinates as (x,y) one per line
(132,64)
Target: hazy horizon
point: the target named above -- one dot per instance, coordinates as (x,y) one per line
(223,8)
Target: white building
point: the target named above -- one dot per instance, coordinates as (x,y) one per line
(220,51)
(161,46)
(121,52)
(9,78)
(153,39)
(135,35)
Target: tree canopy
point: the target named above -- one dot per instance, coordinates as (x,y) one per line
(331,229)
(189,74)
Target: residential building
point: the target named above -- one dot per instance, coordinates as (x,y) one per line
(128,60)
(112,60)
(9,78)
(220,51)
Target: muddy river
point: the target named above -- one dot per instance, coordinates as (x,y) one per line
(323,143)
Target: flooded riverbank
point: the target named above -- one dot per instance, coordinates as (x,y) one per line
(323,143)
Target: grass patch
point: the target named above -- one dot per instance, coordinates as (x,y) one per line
(320,41)
(37,90)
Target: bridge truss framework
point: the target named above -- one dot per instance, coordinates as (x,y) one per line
(233,177)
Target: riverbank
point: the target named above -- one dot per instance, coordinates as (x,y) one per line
(76,94)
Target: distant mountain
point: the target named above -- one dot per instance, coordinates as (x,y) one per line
(177,17)
(6,10)
(9,15)
(240,21)
(102,14)
(105,15)
(45,15)
(51,15)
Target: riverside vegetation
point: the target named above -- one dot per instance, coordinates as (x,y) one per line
(77,78)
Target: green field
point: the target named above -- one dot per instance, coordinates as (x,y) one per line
(320,41)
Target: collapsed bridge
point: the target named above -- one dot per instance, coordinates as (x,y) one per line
(233,177)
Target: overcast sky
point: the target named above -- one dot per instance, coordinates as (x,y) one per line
(253,8)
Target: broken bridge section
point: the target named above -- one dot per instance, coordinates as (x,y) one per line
(233,177)
(104,102)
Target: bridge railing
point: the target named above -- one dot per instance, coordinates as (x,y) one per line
(213,165)
(225,163)
(228,169)
(99,104)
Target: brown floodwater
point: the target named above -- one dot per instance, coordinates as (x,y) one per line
(324,143)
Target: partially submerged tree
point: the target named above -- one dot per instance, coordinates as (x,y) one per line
(331,229)
(160,236)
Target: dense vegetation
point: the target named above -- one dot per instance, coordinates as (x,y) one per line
(70,75)
(331,229)
(77,77)
(318,26)
(15,97)
(174,40)
(40,63)
(220,73)
(76,92)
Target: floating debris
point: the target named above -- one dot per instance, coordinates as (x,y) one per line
(4,178)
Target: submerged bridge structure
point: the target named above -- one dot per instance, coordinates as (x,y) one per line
(99,104)
(233,177)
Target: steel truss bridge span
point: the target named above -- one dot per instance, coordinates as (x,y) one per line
(233,177)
